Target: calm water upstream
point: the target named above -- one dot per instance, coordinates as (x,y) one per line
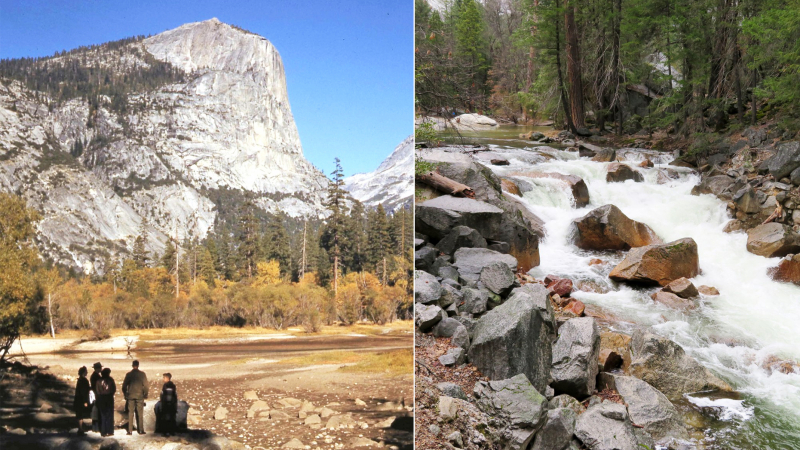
(754,319)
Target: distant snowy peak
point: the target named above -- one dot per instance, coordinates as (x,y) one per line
(391,184)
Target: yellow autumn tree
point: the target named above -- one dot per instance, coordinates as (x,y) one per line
(18,258)
(268,273)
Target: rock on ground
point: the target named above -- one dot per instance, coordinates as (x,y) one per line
(426,288)
(608,228)
(557,431)
(575,356)
(647,406)
(460,236)
(515,338)
(439,216)
(606,426)
(659,264)
(516,405)
(470,262)
(772,239)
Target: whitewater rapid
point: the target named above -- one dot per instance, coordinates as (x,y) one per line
(733,334)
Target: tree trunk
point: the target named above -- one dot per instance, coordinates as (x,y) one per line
(50,313)
(303,260)
(616,101)
(574,72)
(738,83)
(564,102)
(446,185)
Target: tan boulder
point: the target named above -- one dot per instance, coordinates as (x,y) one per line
(619,344)
(617,173)
(509,186)
(707,290)
(659,264)
(608,228)
(772,239)
(673,301)
(682,288)
(787,271)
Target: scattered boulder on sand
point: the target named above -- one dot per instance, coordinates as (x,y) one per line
(659,264)
(772,239)
(608,228)
(617,173)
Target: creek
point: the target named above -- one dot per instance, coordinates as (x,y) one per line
(736,335)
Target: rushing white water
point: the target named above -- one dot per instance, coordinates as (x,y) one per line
(733,334)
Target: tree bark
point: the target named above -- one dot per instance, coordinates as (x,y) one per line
(561,87)
(574,72)
(444,184)
(50,313)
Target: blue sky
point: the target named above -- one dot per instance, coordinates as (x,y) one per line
(349,64)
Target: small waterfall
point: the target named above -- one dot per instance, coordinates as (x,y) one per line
(754,321)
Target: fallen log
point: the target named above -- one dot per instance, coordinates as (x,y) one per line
(441,183)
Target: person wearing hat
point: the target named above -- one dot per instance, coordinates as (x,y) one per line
(81,403)
(92,386)
(135,389)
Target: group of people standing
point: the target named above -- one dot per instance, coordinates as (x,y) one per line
(94,398)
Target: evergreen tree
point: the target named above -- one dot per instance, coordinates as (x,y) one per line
(248,238)
(332,238)
(140,255)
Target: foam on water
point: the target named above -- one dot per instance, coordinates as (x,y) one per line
(753,318)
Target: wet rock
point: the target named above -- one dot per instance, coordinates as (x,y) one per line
(451,390)
(646,164)
(647,407)
(665,176)
(772,239)
(498,277)
(438,216)
(515,405)
(459,237)
(427,289)
(426,316)
(608,228)
(673,301)
(560,286)
(707,290)
(606,426)
(471,261)
(556,434)
(575,356)
(617,173)
(604,155)
(682,288)
(718,185)
(787,270)
(453,357)
(659,264)
(665,365)
(785,160)
(575,307)
(516,337)
(576,185)
(499,162)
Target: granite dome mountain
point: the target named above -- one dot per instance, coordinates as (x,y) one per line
(151,133)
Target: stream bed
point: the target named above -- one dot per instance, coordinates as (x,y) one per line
(738,335)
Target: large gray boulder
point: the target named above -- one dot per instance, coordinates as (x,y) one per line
(617,173)
(772,239)
(606,426)
(516,338)
(785,160)
(516,408)
(647,407)
(718,185)
(475,301)
(424,258)
(461,236)
(608,228)
(427,316)
(438,216)
(470,262)
(427,289)
(664,365)
(556,434)
(575,356)
(472,122)
(498,277)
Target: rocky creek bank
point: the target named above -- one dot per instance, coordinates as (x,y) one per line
(505,360)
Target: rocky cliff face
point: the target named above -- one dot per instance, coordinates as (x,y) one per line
(391,184)
(98,169)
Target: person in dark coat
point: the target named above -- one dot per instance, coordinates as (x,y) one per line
(92,381)
(81,403)
(169,406)
(106,387)
(135,388)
